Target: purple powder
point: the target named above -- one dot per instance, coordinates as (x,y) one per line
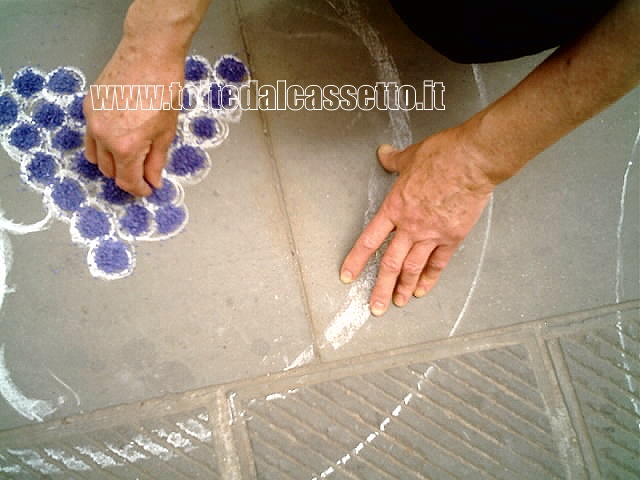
(93,223)
(219,96)
(231,70)
(165,194)
(189,100)
(42,168)
(186,160)
(67,139)
(136,220)
(28,83)
(195,70)
(114,194)
(169,218)
(75,109)
(84,168)
(203,127)
(64,81)
(68,195)
(112,256)
(8,110)
(48,115)
(24,136)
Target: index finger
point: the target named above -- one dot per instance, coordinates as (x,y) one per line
(367,243)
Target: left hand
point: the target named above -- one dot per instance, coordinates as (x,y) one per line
(130,145)
(437,199)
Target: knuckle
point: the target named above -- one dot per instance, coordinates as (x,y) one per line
(391,264)
(437,265)
(368,242)
(411,267)
(97,128)
(123,148)
(404,290)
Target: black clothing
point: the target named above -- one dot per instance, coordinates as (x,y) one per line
(468,31)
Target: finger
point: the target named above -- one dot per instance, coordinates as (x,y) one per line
(411,270)
(387,156)
(105,161)
(390,268)
(437,262)
(367,243)
(394,160)
(130,176)
(90,152)
(156,160)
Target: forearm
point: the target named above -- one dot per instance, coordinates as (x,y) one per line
(572,85)
(163,27)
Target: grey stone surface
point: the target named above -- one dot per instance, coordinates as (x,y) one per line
(234,352)
(219,302)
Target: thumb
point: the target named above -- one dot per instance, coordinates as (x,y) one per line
(388,157)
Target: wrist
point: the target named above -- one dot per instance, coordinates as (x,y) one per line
(160,32)
(495,152)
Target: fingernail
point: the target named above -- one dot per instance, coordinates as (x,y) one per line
(377,309)
(420,292)
(346,276)
(399,300)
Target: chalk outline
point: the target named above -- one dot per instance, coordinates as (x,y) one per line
(35,409)
(619,293)
(90,188)
(360,289)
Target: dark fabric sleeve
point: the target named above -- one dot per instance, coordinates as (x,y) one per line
(468,31)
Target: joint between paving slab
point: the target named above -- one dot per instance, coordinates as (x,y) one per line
(280,191)
(430,351)
(549,367)
(562,430)
(575,413)
(229,464)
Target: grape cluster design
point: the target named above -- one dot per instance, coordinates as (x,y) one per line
(42,127)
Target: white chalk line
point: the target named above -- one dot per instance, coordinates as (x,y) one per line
(6,252)
(397,410)
(6,261)
(619,290)
(355,311)
(108,455)
(16,228)
(31,409)
(57,379)
(306,356)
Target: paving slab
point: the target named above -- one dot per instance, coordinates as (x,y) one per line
(233,351)
(532,253)
(218,302)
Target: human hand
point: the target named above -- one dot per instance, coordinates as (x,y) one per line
(434,203)
(131,145)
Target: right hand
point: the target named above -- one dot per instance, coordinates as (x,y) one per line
(434,203)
